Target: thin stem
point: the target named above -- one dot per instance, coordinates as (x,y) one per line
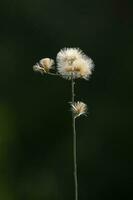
(74,145)
(53,74)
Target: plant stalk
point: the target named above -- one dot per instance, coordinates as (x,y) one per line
(74,145)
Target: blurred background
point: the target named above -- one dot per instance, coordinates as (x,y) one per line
(36,160)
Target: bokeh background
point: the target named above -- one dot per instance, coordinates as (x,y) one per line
(36,160)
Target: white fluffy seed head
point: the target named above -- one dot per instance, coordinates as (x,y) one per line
(79,108)
(44,65)
(73,63)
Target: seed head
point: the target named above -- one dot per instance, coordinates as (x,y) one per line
(44,65)
(38,68)
(79,108)
(73,63)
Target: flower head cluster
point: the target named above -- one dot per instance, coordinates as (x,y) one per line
(44,65)
(79,108)
(73,63)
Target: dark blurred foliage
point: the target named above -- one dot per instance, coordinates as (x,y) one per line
(36,160)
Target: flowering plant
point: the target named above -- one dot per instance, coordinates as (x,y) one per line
(72,64)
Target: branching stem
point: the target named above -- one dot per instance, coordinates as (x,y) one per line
(53,74)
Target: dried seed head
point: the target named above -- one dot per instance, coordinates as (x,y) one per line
(44,65)
(79,108)
(72,62)
(38,68)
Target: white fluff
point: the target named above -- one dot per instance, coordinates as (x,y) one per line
(73,63)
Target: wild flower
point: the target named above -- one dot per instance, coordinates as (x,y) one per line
(72,64)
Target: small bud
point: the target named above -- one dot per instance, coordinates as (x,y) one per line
(79,108)
(38,68)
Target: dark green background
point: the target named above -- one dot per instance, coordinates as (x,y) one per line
(36,160)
